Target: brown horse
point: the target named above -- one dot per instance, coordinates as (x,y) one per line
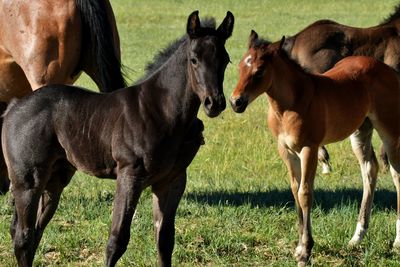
(307,111)
(322,44)
(50,42)
(143,135)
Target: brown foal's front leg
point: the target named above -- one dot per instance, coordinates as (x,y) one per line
(127,195)
(292,162)
(166,198)
(309,160)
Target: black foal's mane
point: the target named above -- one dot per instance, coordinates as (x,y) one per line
(208,25)
(394,16)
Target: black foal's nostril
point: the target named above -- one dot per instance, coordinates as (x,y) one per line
(208,102)
(238,102)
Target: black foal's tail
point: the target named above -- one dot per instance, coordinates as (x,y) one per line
(99,55)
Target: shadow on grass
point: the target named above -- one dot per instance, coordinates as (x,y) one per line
(326,200)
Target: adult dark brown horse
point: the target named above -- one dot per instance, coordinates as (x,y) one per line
(50,42)
(144,135)
(320,45)
(307,111)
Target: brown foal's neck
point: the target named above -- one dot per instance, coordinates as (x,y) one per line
(291,85)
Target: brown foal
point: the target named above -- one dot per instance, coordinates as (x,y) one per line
(306,111)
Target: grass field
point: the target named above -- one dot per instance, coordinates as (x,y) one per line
(238,209)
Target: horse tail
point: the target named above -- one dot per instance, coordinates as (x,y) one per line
(100,57)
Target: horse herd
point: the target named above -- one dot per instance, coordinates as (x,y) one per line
(147,134)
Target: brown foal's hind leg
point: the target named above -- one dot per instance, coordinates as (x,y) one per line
(127,195)
(389,132)
(362,148)
(392,148)
(166,198)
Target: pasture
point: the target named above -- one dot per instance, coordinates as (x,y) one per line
(237,208)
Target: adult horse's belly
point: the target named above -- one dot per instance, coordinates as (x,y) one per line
(13,82)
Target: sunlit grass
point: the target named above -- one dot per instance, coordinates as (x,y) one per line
(237,209)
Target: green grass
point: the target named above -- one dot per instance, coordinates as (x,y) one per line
(237,209)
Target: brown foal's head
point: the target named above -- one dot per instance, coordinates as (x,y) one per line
(254,72)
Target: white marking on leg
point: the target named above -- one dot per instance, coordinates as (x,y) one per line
(396,243)
(358,235)
(326,168)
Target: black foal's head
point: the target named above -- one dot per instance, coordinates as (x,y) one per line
(207,60)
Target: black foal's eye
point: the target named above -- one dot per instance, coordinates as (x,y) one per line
(193,60)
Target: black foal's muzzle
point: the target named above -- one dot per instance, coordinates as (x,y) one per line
(213,106)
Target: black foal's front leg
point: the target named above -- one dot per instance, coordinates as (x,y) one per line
(166,198)
(127,195)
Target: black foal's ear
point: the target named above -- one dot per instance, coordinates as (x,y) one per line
(252,38)
(226,27)
(193,24)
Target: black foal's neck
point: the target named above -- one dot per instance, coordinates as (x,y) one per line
(170,85)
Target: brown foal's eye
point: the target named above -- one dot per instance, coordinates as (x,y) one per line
(193,60)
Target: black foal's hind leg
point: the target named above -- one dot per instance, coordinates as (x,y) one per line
(166,198)
(50,198)
(26,204)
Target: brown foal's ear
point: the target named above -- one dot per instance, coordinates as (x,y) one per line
(193,24)
(282,43)
(226,27)
(252,38)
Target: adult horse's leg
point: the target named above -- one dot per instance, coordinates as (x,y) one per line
(362,148)
(384,158)
(309,161)
(127,195)
(323,158)
(166,198)
(4,181)
(292,162)
(50,198)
